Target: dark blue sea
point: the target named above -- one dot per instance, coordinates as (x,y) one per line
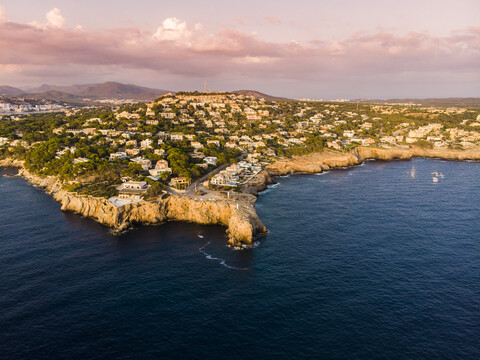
(380,261)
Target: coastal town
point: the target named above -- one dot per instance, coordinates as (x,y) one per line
(208,145)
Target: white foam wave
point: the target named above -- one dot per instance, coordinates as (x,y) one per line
(253,246)
(200,236)
(265,191)
(221,261)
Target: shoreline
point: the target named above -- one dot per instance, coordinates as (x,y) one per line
(329,159)
(239,216)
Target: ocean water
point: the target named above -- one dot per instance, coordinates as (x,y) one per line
(374,262)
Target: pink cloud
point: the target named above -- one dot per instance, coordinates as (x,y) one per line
(183,50)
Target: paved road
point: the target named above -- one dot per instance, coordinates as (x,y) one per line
(198,183)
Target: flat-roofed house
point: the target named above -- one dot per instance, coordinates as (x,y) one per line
(118,155)
(132,190)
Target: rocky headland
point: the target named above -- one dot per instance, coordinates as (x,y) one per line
(239,215)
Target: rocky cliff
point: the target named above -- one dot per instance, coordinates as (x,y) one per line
(313,163)
(329,159)
(242,223)
(11,162)
(398,153)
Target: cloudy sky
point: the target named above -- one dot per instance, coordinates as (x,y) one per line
(304,48)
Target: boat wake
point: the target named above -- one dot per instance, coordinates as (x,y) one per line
(221,261)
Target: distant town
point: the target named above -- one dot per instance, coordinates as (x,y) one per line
(208,144)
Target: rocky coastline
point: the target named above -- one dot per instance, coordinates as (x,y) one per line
(238,215)
(329,159)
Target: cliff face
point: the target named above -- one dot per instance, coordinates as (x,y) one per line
(364,153)
(11,162)
(448,154)
(242,221)
(313,163)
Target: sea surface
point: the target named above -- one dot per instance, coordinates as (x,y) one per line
(380,261)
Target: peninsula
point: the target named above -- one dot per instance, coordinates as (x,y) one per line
(203,157)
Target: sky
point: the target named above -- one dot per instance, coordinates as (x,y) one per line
(317,49)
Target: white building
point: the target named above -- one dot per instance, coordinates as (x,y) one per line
(211,160)
(118,155)
(147,143)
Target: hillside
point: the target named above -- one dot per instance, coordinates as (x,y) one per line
(108,90)
(57,96)
(258,95)
(10,91)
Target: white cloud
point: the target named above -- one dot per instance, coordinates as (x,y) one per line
(3,14)
(55,18)
(173,29)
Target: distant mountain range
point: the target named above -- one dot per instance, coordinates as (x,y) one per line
(88,92)
(10,91)
(85,94)
(81,94)
(258,95)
